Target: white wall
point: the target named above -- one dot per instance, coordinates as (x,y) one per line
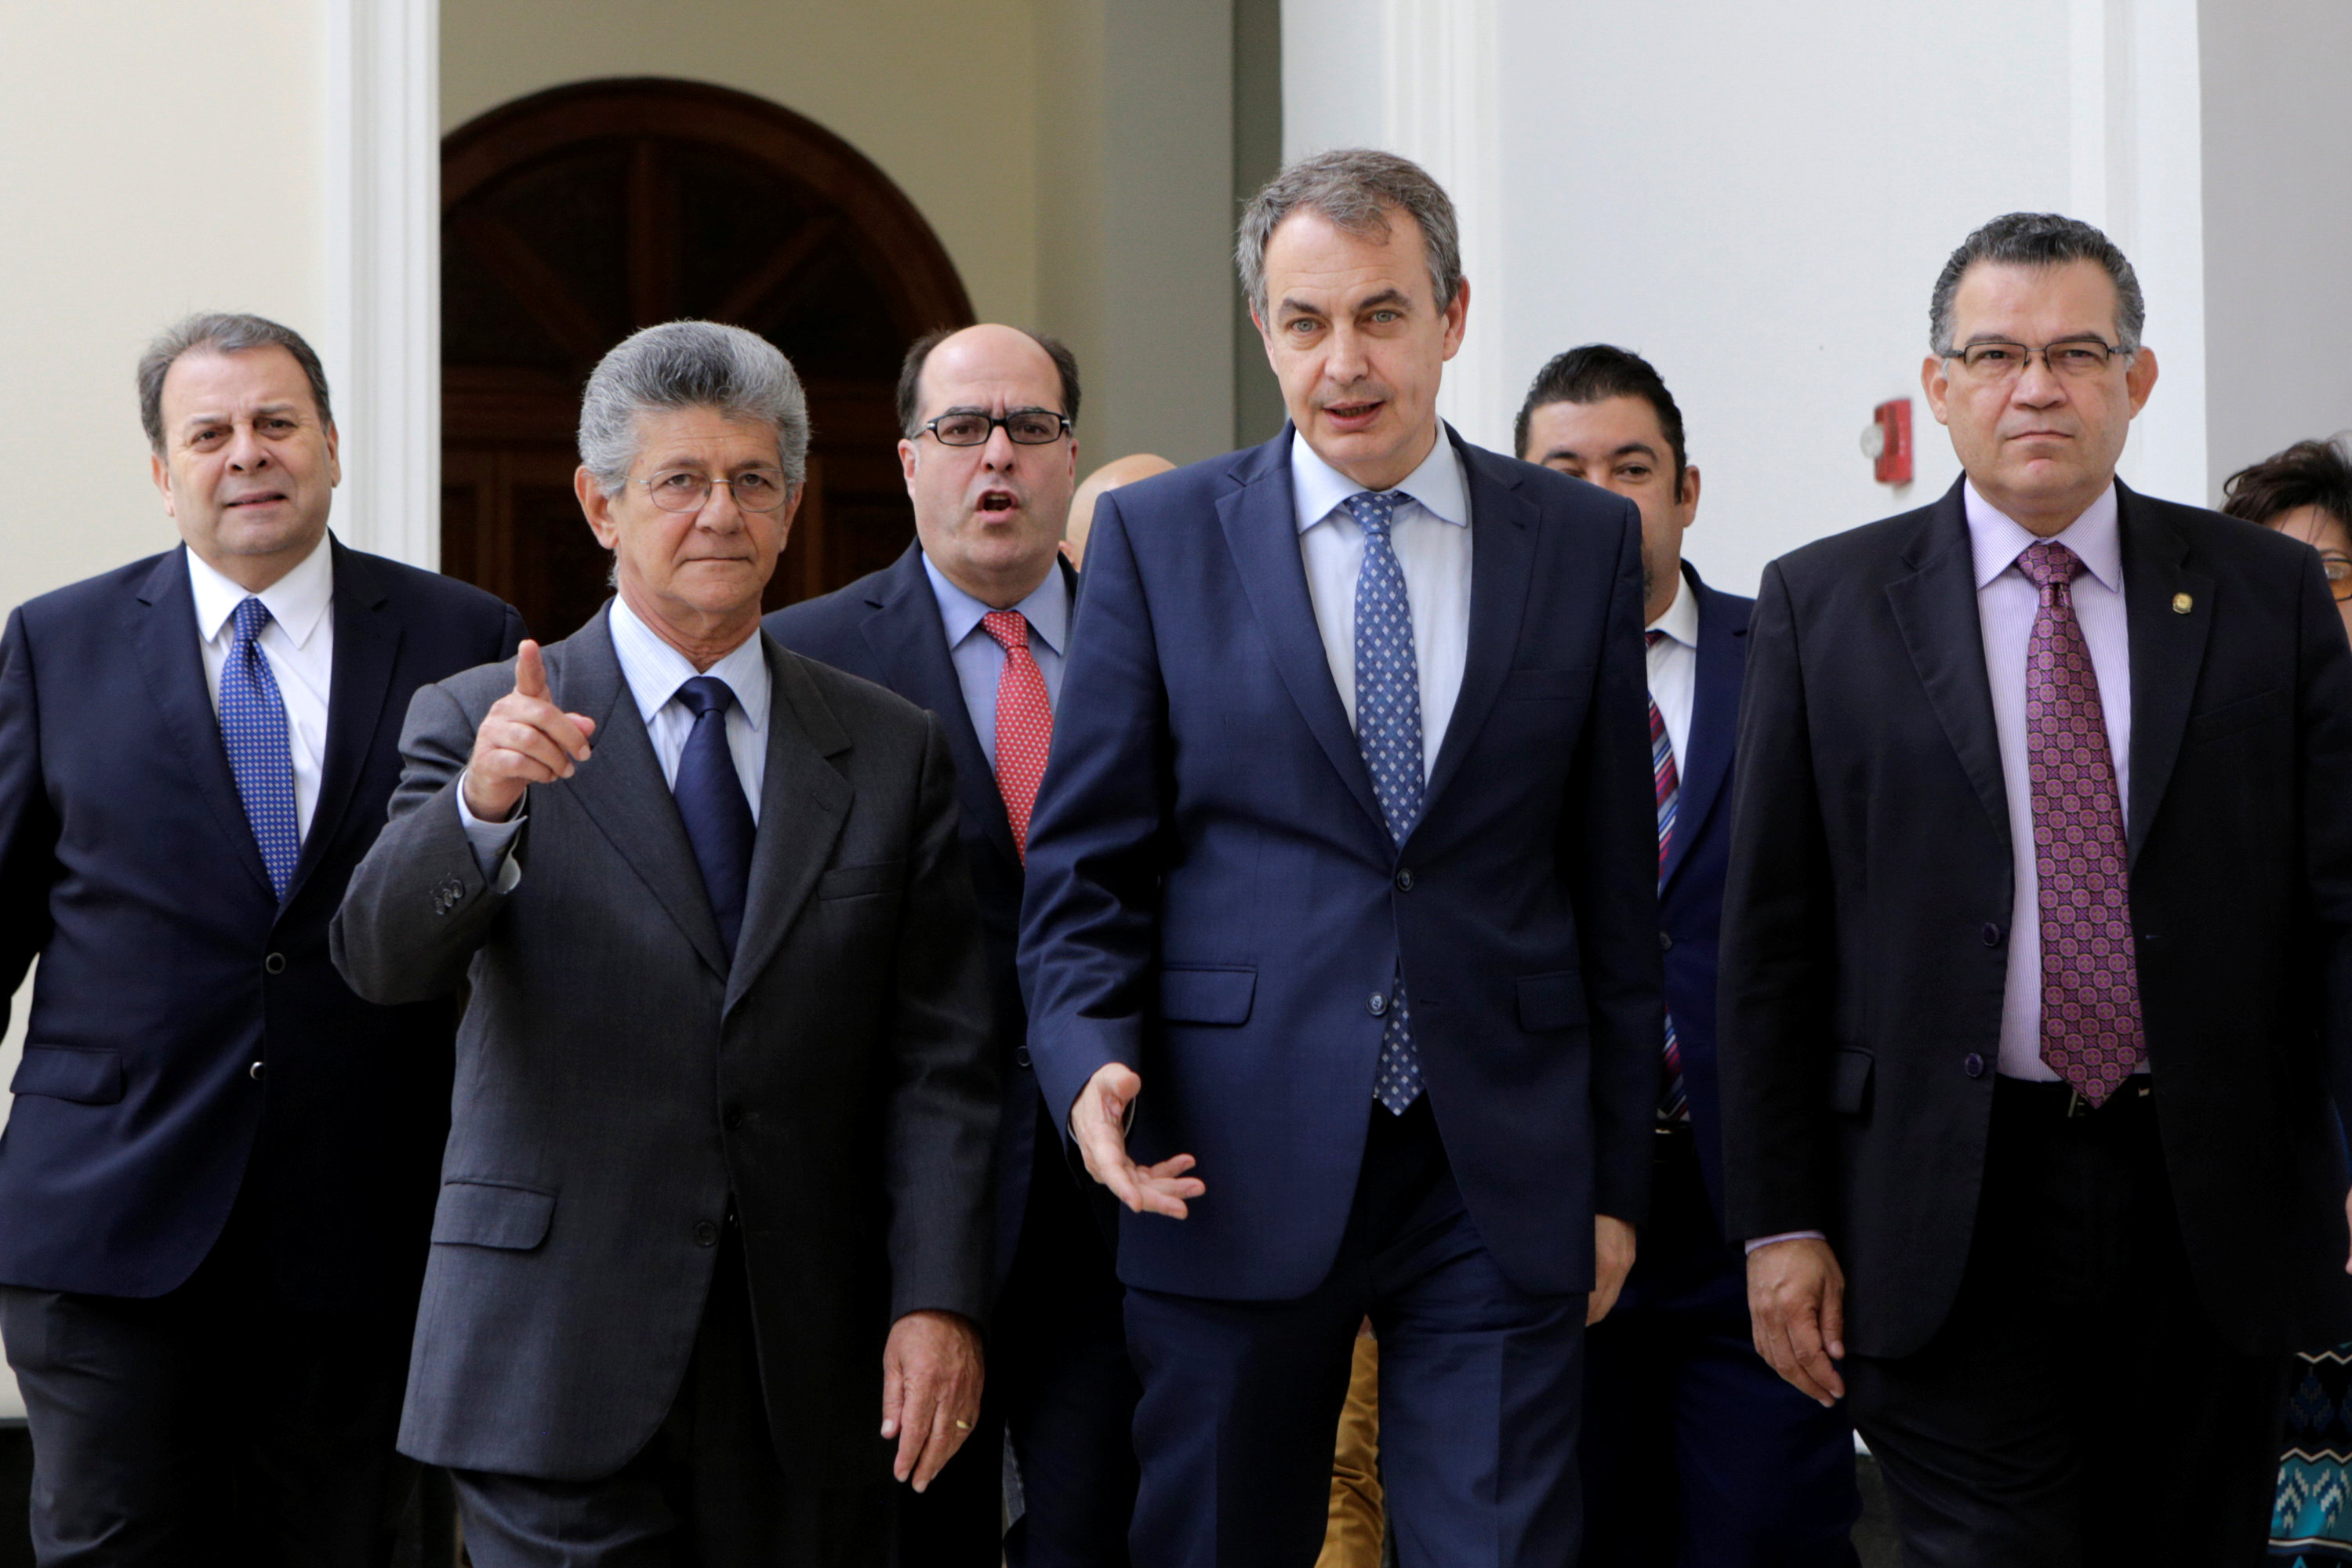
(1760,204)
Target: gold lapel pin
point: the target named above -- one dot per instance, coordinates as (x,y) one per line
(2182,604)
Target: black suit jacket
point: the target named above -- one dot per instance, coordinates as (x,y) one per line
(1869,899)
(168,967)
(1690,884)
(885,627)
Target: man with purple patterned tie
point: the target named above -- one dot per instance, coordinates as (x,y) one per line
(2037,939)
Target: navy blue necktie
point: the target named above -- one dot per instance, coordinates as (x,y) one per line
(1388,729)
(711,801)
(260,754)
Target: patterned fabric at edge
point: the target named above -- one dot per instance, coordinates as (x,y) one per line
(2311,1522)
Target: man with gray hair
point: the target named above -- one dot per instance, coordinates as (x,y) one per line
(219,1166)
(720,1152)
(2036,937)
(1339,938)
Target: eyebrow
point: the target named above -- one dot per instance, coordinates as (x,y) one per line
(975,408)
(217,419)
(1629,449)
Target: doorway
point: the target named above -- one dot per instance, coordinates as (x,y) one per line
(572,217)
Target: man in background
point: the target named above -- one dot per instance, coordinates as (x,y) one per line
(220,1164)
(974,623)
(1102,481)
(1692,1445)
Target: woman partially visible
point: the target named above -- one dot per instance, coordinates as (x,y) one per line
(2306,491)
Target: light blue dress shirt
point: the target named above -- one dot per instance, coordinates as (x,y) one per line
(980,659)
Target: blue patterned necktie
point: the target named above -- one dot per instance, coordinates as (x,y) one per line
(711,802)
(260,754)
(1388,729)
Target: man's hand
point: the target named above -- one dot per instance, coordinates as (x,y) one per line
(524,740)
(930,1391)
(1796,1304)
(1099,1124)
(1612,1254)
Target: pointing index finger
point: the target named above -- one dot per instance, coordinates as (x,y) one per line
(530,674)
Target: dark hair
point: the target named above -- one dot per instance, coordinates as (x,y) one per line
(2038,239)
(919,354)
(2309,473)
(221,332)
(1593,374)
(1357,188)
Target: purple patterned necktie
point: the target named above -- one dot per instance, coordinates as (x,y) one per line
(2091,1033)
(1673,1098)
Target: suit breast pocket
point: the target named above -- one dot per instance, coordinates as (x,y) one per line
(61,1072)
(2231,718)
(860,881)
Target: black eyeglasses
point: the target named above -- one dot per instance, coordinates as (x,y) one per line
(2339,575)
(1025,427)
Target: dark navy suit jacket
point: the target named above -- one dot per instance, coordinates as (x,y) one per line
(885,627)
(1690,884)
(168,967)
(1214,900)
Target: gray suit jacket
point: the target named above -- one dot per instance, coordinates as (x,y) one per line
(618,1078)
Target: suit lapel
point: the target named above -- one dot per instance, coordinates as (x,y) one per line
(804,804)
(911,647)
(2168,649)
(163,628)
(1936,609)
(1715,718)
(1261,526)
(1502,557)
(367,640)
(621,786)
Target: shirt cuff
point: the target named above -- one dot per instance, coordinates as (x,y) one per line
(1787,1236)
(493,842)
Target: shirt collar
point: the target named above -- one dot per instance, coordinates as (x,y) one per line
(1680,620)
(298,601)
(1438,484)
(1997,540)
(1046,609)
(654,670)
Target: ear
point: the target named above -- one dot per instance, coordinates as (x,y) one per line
(1265,337)
(597,507)
(334,457)
(2141,379)
(162,472)
(1458,316)
(1690,494)
(1935,382)
(906,463)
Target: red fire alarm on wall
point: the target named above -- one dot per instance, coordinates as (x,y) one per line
(1886,442)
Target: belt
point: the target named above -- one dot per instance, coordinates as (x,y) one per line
(2064,1102)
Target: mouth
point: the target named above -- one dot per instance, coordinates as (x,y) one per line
(1353,416)
(998,502)
(259,498)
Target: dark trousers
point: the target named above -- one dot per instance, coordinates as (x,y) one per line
(1060,1384)
(1479,1391)
(705,1492)
(2078,1407)
(1695,1453)
(212,1424)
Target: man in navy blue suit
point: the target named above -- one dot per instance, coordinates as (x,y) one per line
(1340,941)
(972,622)
(1693,1444)
(221,1165)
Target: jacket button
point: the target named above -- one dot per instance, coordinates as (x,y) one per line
(1665,942)
(274,964)
(1973,1065)
(1404,881)
(1020,1057)
(1378,1005)
(1991,934)
(705,1234)
(254,1072)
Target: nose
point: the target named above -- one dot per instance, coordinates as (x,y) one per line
(719,513)
(999,451)
(2038,385)
(246,450)
(1343,359)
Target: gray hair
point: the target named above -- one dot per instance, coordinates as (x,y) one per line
(219,332)
(1356,188)
(690,364)
(2038,239)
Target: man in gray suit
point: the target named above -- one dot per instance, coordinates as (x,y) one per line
(725,1096)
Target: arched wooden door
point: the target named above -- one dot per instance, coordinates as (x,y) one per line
(572,217)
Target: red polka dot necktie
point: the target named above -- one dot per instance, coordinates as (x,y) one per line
(2091,1032)
(1024,722)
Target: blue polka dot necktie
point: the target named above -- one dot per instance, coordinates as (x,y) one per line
(711,802)
(260,754)
(1388,729)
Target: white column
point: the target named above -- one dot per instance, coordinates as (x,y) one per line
(382,338)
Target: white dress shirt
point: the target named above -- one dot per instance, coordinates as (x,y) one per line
(2007,603)
(979,658)
(653,671)
(1431,532)
(299,645)
(1674,668)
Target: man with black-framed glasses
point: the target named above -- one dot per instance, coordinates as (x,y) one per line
(2036,936)
(974,623)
